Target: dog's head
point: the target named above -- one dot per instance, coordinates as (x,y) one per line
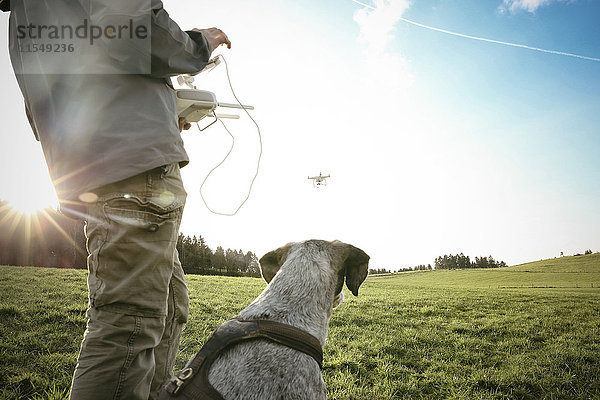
(350,263)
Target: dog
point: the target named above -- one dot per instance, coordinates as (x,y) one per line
(305,282)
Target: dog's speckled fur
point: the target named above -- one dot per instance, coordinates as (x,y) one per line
(305,282)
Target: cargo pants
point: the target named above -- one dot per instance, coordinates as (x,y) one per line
(138,299)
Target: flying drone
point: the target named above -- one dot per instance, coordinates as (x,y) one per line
(320,180)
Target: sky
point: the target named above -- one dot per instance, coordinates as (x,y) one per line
(436,144)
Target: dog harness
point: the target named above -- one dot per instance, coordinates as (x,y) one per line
(192,382)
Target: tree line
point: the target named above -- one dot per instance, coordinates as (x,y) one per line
(50,239)
(460,261)
(421,267)
(197,258)
(448,261)
(44,239)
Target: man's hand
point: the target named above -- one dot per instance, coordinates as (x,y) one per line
(215,37)
(183,124)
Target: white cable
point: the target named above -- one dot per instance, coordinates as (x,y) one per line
(560,53)
(231,149)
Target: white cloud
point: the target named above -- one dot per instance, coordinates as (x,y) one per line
(515,6)
(382,68)
(377,25)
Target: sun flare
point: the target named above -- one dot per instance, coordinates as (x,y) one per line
(30,205)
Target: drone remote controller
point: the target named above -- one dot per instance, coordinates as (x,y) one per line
(195,104)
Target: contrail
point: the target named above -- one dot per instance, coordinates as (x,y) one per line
(560,53)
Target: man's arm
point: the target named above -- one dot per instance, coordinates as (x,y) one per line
(161,49)
(176,52)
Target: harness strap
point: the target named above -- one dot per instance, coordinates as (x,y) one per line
(292,337)
(192,382)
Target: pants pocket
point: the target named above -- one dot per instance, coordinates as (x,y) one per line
(133,261)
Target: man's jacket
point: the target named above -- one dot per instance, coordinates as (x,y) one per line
(107,111)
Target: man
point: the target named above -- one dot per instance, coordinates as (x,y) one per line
(100,101)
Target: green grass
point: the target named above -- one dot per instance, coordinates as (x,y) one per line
(525,332)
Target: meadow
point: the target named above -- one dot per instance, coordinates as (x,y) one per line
(525,332)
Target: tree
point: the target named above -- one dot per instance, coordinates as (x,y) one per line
(218,260)
(252,265)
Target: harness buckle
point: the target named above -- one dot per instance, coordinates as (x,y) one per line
(178,381)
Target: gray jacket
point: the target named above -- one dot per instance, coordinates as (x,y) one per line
(105,112)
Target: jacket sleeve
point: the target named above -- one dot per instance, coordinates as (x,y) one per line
(174,51)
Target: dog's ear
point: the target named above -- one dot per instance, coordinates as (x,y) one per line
(272,261)
(355,268)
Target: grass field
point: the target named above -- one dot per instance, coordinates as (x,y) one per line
(526,332)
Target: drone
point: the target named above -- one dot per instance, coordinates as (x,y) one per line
(320,180)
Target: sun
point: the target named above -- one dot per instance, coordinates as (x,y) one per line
(32,204)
